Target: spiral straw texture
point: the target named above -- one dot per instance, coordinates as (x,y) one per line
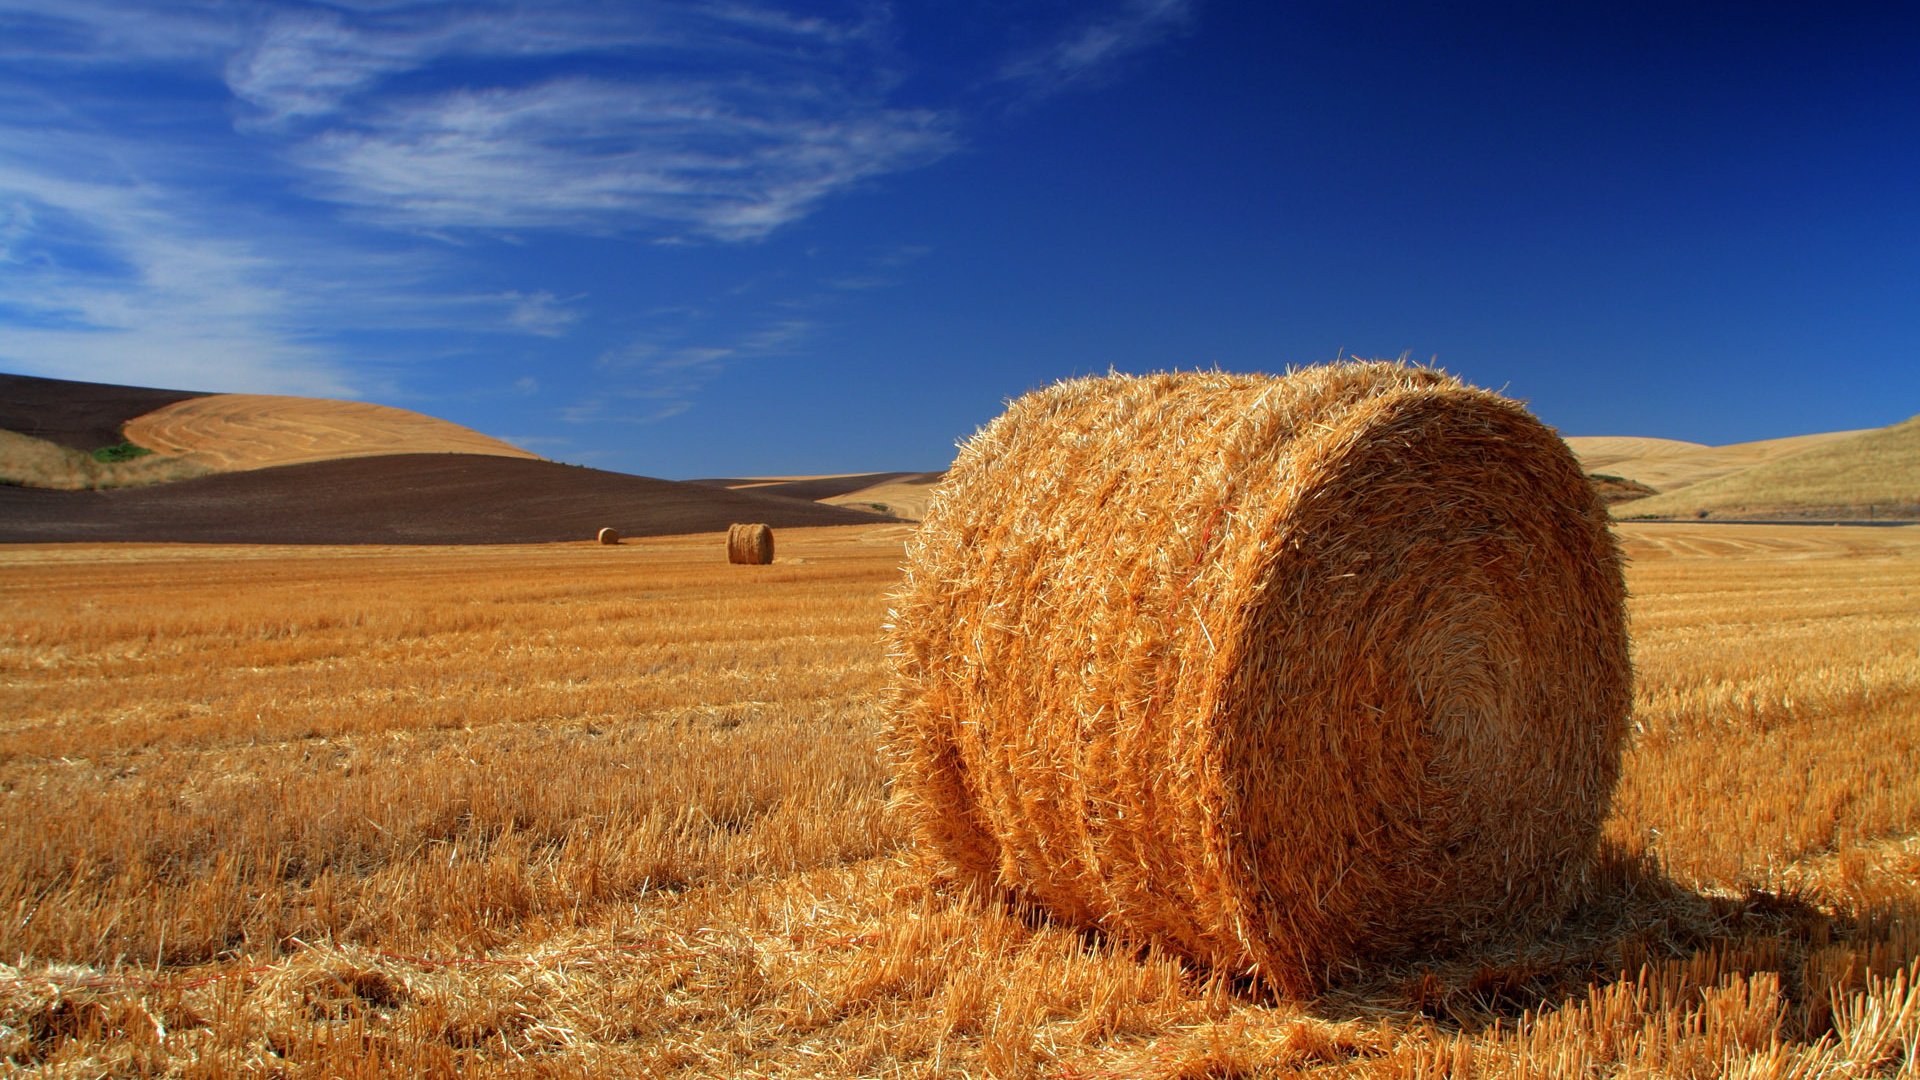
(1288,674)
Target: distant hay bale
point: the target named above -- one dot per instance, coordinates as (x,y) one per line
(609,536)
(1290,675)
(750,544)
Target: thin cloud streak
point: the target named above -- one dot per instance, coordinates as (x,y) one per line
(111,33)
(1094,49)
(310,63)
(662,374)
(652,381)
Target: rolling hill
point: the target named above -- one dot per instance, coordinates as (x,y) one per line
(266,468)
(247,468)
(1669,464)
(54,433)
(399,499)
(1874,473)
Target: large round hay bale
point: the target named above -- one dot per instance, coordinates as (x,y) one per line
(609,536)
(1291,675)
(750,544)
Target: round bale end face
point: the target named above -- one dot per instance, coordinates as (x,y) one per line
(1291,675)
(750,545)
(609,536)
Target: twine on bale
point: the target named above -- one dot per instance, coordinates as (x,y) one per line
(750,544)
(1288,674)
(609,536)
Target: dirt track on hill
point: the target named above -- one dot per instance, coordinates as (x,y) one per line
(400,499)
(84,416)
(817,487)
(901,494)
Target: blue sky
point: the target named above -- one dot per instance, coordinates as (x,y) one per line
(697,239)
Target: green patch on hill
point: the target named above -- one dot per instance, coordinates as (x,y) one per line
(1617,489)
(124,451)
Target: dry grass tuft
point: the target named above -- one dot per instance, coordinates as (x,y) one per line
(36,463)
(751,545)
(1291,675)
(608,536)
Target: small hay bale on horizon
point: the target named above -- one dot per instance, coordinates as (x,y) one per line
(750,545)
(1290,675)
(608,536)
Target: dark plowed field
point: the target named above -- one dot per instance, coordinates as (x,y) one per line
(400,499)
(83,415)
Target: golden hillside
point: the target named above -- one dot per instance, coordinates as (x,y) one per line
(1669,464)
(1868,473)
(905,497)
(230,432)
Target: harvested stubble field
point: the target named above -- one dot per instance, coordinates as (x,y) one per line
(578,810)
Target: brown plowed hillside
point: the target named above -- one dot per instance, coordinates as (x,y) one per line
(227,432)
(400,499)
(81,415)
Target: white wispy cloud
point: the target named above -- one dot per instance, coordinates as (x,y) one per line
(114,268)
(717,120)
(123,258)
(540,313)
(1092,49)
(308,65)
(765,114)
(881,271)
(305,62)
(16,225)
(417,306)
(116,282)
(649,382)
(732,162)
(338,143)
(106,32)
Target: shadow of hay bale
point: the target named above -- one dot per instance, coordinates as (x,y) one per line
(1638,937)
(1672,944)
